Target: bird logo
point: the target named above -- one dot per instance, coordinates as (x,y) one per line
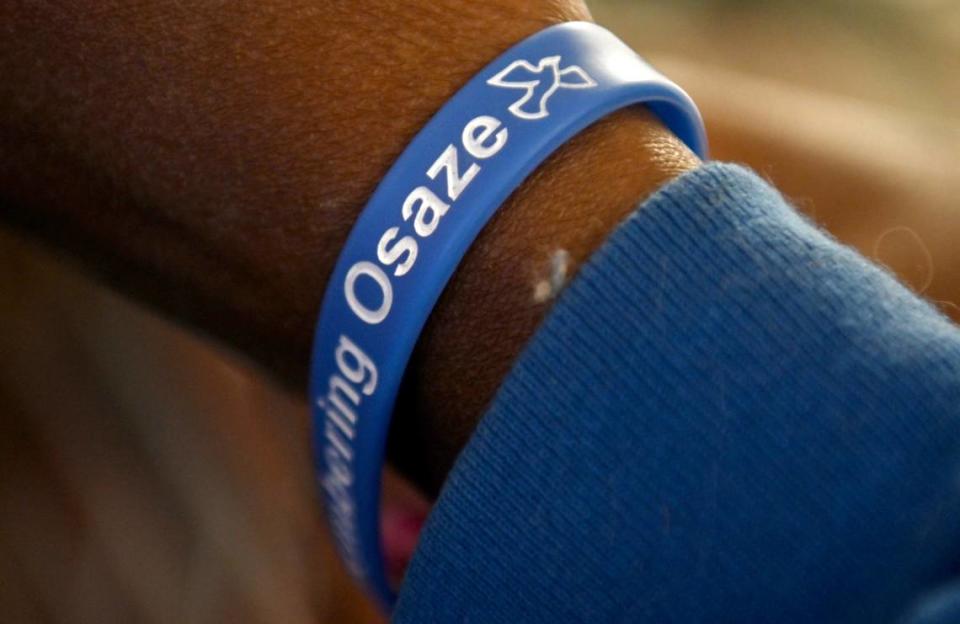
(536,79)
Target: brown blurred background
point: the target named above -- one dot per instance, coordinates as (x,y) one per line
(148,476)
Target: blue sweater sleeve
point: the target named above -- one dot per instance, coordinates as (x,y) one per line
(727,417)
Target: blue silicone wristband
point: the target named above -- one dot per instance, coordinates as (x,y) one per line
(418,225)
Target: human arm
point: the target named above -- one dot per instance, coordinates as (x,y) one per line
(210,160)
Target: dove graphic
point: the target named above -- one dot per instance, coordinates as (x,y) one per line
(537,79)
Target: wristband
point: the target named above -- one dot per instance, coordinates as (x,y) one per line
(417,227)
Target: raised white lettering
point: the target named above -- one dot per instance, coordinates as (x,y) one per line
(429,210)
(479,130)
(374,272)
(388,254)
(364,369)
(455,182)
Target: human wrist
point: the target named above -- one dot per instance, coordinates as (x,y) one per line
(216,167)
(490,307)
(212,162)
(380,294)
(496,299)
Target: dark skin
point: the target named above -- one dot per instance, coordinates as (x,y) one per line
(210,158)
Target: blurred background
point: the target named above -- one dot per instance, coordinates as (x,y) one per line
(147,476)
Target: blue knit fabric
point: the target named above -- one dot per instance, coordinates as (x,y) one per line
(727,417)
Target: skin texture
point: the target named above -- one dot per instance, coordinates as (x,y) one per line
(209,158)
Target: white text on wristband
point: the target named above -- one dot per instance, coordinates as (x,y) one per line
(418,225)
